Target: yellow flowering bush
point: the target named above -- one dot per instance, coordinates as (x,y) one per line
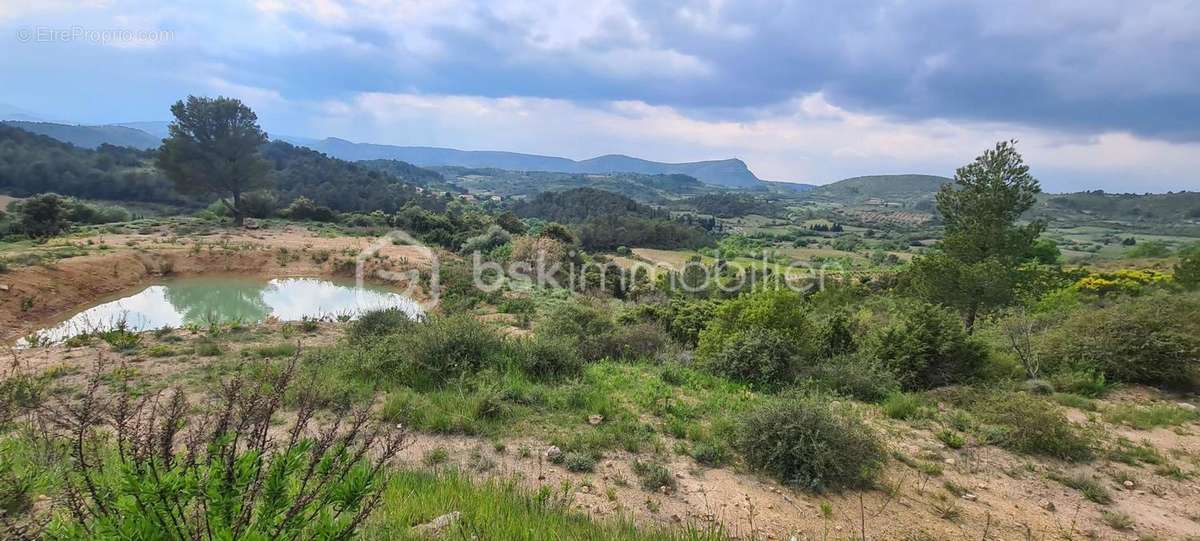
(1128,281)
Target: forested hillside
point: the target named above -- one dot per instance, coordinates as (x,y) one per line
(607,220)
(1166,207)
(32,163)
(506,183)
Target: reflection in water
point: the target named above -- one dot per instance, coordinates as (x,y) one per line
(205,300)
(214,300)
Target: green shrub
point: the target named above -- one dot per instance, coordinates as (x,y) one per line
(709,454)
(782,312)
(926,346)
(683,319)
(856,376)
(1087,383)
(441,349)
(952,439)
(160,350)
(19,392)
(548,358)
(1152,339)
(1026,424)
(121,339)
(763,357)
(907,407)
(632,342)
(379,323)
(807,442)
(435,457)
(578,462)
(653,476)
(586,323)
(206,348)
(1038,387)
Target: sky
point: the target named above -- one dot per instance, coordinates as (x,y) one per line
(1100,94)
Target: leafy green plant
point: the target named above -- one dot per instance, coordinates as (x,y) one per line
(952,439)
(1153,339)
(121,338)
(653,476)
(925,346)
(1026,424)
(764,357)
(548,358)
(808,442)
(164,476)
(379,323)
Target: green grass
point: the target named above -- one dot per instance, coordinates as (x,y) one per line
(1148,417)
(1127,452)
(500,510)
(1091,489)
(907,407)
(638,402)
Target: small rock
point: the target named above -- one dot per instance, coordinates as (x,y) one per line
(1046,504)
(3,287)
(435,526)
(664,489)
(676,518)
(553,452)
(595,419)
(949,461)
(1184,405)
(969,497)
(1128,484)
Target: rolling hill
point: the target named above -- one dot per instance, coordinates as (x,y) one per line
(888,188)
(90,136)
(730,172)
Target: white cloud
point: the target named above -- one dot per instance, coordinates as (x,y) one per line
(809,140)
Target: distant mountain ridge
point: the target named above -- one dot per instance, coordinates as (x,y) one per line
(90,136)
(729,172)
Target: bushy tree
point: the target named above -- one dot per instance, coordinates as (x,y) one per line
(977,267)
(764,357)
(1187,270)
(213,148)
(925,346)
(493,237)
(782,311)
(44,215)
(1151,339)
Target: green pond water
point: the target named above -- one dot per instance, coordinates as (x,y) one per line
(205,299)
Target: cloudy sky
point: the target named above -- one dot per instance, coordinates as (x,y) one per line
(1100,93)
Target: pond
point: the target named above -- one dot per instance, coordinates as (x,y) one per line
(204,300)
